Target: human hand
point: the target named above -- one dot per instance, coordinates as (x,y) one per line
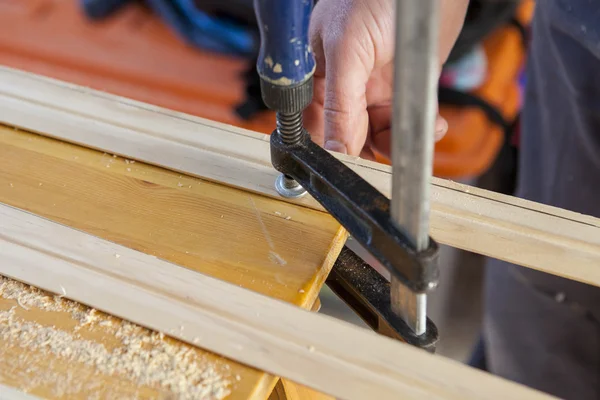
(353,43)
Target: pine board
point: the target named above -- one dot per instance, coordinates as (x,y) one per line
(206,227)
(545,238)
(321,352)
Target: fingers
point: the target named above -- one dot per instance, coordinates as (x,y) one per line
(441,128)
(314,120)
(380,128)
(337,119)
(367,154)
(344,35)
(345,103)
(313,115)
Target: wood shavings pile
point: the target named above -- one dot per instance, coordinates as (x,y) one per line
(29,297)
(141,356)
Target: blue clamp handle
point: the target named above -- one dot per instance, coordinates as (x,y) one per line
(285,56)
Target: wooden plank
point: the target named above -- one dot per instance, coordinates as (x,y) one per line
(286,390)
(8,393)
(323,353)
(549,239)
(205,227)
(57,349)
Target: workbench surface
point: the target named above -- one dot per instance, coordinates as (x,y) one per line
(55,348)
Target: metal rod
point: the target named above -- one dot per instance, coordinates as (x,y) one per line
(413,123)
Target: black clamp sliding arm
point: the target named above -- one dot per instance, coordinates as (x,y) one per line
(359,207)
(367,292)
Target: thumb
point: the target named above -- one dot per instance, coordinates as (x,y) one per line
(347,72)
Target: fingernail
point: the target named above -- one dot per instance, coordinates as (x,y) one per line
(334,145)
(441,127)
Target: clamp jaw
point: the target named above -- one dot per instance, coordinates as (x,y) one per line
(385,228)
(359,207)
(366,292)
(365,213)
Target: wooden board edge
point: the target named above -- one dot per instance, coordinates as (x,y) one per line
(514,230)
(320,352)
(11,393)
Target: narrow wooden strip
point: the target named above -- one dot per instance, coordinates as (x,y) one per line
(320,352)
(546,238)
(9,393)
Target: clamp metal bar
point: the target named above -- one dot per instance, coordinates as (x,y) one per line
(367,292)
(413,124)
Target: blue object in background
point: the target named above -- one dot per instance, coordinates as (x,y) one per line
(191,24)
(98,9)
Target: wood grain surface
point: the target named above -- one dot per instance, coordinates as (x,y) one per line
(249,240)
(321,352)
(533,235)
(286,390)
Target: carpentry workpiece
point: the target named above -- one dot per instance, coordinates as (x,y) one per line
(150,243)
(249,240)
(533,235)
(329,355)
(14,394)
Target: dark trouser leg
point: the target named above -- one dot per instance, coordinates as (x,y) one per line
(541,330)
(477,359)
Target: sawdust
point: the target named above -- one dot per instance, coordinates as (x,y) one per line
(59,384)
(140,356)
(31,297)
